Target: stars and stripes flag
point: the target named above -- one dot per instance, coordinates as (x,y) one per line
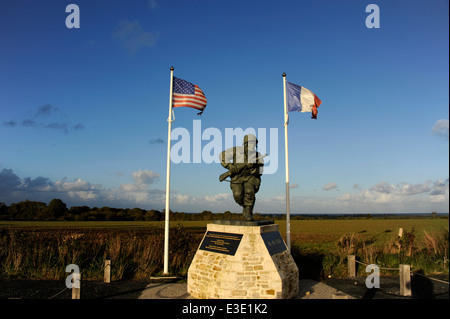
(182,93)
(188,95)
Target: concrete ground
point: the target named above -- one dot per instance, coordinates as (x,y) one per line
(155,289)
(128,289)
(309,289)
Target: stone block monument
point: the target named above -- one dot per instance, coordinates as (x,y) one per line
(243,260)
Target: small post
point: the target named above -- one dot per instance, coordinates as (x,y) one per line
(400,232)
(107,275)
(351,266)
(405,280)
(76,287)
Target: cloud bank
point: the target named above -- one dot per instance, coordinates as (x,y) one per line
(47,116)
(383,197)
(78,192)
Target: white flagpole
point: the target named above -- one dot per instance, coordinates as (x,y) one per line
(166,225)
(286,155)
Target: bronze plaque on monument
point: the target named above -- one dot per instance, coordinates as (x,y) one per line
(222,243)
(274,242)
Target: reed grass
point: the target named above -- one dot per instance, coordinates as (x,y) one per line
(44,254)
(429,254)
(137,252)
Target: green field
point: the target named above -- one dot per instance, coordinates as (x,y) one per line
(314,233)
(35,249)
(322,228)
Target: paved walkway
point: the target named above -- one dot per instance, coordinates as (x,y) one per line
(309,289)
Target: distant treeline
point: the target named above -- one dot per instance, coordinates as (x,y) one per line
(57,210)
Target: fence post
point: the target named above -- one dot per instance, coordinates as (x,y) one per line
(107,275)
(405,280)
(351,266)
(76,287)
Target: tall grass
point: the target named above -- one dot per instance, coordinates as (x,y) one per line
(44,254)
(431,254)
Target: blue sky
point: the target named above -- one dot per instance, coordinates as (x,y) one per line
(83,111)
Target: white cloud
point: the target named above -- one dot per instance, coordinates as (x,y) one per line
(409,189)
(84,195)
(402,188)
(383,187)
(80,192)
(183,199)
(440,128)
(440,187)
(222,197)
(382,197)
(329,186)
(78,189)
(133,36)
(145,177)
(217,203)
(138,192)
(77,185)
(403,197)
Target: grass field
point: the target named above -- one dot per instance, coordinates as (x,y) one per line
(308,232)
(34,249)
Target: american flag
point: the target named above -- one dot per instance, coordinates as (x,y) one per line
(188,94)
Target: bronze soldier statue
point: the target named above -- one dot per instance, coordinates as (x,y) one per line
(244,165)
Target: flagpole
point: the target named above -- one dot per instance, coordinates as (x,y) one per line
(166,224)
(286,155)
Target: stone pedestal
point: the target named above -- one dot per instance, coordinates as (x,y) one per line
(243,262)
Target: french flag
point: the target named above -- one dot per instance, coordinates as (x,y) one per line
(301,99)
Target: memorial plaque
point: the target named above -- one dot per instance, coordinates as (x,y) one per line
(274,242)
(222,243)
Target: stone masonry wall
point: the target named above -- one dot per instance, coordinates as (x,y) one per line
(251,273)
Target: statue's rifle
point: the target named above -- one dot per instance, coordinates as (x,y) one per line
(228,173)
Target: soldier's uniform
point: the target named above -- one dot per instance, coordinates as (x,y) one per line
(245,164)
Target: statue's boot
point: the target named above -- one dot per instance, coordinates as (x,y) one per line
(247,211)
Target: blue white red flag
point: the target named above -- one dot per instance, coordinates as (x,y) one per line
(301,99)
(188,95)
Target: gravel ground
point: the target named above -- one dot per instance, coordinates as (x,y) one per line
(422,288)
(128,289)
(53,289)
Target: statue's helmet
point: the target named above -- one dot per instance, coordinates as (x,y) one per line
(250,138)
